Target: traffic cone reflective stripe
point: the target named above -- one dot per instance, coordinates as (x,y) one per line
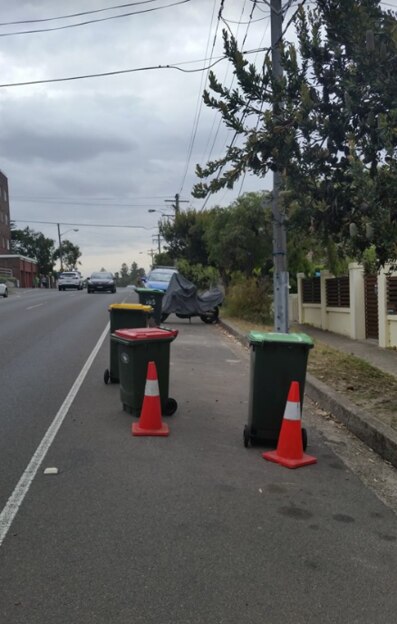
(289,450)
(150,423)
(152,387)
(292,411)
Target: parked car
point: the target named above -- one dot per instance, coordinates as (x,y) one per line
(159,278)
(3,290)
(70,279)
(101,282)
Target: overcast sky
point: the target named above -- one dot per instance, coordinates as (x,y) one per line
(103,151)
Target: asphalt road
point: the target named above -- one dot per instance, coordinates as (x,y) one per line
(187,529)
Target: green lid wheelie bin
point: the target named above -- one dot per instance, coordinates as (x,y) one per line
(277,359)
(123,315)
(136,348)
(154,298)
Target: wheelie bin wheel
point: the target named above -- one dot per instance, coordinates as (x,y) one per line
(106,376)
(170,407)
(304,438)
(246,436)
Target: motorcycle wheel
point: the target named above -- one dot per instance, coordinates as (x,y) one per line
(210,317)
(163,317)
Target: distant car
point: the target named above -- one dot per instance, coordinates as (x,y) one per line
(101,282)
(3,290)
(159,278)
(70,279)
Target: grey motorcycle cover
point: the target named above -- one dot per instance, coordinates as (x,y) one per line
(181,297)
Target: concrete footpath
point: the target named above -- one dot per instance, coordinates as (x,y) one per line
(378,436)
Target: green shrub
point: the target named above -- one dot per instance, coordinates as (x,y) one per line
(9,280)
(204,277)
(250,299)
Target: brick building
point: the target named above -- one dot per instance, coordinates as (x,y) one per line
(12,265)
(23,269)
(5,235)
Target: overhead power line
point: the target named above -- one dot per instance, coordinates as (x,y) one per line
(110,198)
(260,19)
(59,17)
(199,103)
(92,203)
(104,225)
(130,71)
(101,19)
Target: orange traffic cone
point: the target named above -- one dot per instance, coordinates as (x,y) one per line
(150,423)
(289,450)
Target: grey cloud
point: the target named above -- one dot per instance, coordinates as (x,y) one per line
(26,145)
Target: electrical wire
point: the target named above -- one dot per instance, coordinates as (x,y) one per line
(215,115)
(176,66)
(104,225)
(244,113)
(95,21)
(94,204)
(229,21)
(40,198)
(197,113)
(52,19)
(110,73)
(231,85)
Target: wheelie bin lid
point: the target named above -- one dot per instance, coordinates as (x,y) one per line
(260,338)
(149,290)
(139,307)
(146,333)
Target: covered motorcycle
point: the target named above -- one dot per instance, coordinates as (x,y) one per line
(183,300)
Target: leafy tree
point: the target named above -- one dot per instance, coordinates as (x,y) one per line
(239,237)
(163,259)
(34,245)
(204,277)
(124,276)
(136,273)
(70,255)
(333,112)
(184,237)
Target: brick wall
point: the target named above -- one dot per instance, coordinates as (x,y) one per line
(5,235)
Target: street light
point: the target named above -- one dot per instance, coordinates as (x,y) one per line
(163,214)
(60,242)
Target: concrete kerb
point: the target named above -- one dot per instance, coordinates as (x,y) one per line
(382,439)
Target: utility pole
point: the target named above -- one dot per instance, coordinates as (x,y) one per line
(178,201)
(60,247)
(280,275)
(158,238)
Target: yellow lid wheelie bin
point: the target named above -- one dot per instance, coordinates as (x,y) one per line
(123,316)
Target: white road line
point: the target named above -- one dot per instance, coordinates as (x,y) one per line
(35,306)
(21,489)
